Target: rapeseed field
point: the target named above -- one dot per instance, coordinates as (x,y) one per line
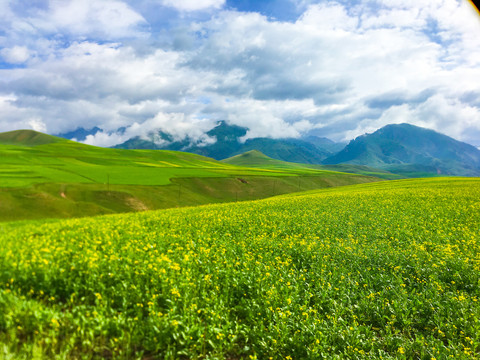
(386,270)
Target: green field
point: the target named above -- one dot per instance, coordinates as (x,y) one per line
(255,159)
(27,162)
(42,176)
(388,270)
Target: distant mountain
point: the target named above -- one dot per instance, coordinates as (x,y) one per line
(411,151)
(324,143)
(228,143)
(80,134)
(152,142)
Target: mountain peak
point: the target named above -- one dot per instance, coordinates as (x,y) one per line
(251,154)
(226,132)
(252,158)
(80,134)
(404,145)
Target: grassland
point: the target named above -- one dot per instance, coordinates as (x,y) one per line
(385,270)
(255,159)
(44,176)
(47,159)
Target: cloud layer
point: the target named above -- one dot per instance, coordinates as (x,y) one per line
(342,68)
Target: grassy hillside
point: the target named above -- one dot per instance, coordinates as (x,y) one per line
(60,200)
(66,161)
(27,138)
(44,176)
(363,170)
(387,270)
(292,150)
(256,159)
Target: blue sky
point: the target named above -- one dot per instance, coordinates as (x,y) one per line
(282,68)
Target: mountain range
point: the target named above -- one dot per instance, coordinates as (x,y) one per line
(409,149)
(404,149)
(308,150)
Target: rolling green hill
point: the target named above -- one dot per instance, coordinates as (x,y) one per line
(27,138)
(256,159)
(387,270)
(44,176)
(291,150)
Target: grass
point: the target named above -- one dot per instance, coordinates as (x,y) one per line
(44,176)
(363,170)
(384,270)
(255,159)
(53,200)
(69,162)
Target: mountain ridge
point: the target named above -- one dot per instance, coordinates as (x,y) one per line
(229,142)
(398,146)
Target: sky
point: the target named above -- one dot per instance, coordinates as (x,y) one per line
(282,68)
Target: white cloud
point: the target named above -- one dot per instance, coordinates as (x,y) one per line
(5,11)
(194,5)
(436,113)
(328,17)
(37,125)
(345,70)
(176,124)
(76,19)
(107,18)
(16,54)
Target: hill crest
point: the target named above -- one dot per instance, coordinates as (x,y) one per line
(27,137)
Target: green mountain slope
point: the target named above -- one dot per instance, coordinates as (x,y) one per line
(412,151)
(255,158)
(324,143)
(44,176)
(291,150)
